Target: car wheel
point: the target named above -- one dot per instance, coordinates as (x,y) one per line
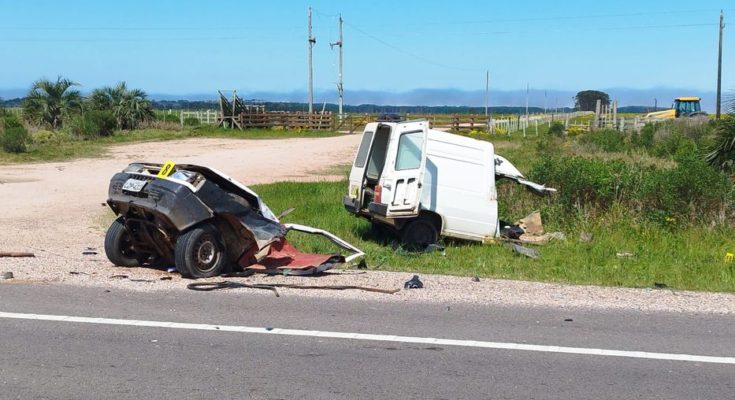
(119,245)
(201,253)
(419,234)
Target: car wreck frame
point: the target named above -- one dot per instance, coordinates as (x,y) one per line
(203,222)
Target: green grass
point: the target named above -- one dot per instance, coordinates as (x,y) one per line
(692,258)
(67,149)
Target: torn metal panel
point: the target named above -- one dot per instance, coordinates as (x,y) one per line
(504,169)
(283,258)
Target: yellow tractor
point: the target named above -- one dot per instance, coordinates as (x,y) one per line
(683,107)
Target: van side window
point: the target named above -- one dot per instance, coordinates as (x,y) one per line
(410,146)
(362,153)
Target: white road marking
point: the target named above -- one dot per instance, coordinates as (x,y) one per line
(373,337)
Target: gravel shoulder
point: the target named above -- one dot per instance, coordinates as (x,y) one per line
(55,210)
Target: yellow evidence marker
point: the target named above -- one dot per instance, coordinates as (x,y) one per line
(729,257)
(166,169)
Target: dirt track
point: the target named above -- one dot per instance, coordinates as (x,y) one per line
(55,209)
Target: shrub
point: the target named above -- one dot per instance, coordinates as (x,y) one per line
(169,118)
(605,139)
(49,137)
(92,124)
(644,138)
(690,192)
(14,135)
(556,129)
(722,152)
(191,121)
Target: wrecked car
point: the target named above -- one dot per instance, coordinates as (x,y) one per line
(423,183)
(204,223)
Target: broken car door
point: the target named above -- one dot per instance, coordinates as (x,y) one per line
(400,190)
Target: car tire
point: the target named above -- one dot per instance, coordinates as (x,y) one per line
(119,246)
(201,253)
(419,234)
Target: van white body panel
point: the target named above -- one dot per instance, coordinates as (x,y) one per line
(449,175)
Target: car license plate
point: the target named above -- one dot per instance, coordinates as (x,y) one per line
(134,185)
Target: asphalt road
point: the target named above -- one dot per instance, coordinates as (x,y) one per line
(44,359)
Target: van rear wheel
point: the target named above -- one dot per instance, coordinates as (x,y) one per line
(419,233)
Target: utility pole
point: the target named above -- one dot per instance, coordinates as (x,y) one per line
(340,88)
(719,67)
(312,40)
(487,88)
(527,89)
(545,94)
(655,104)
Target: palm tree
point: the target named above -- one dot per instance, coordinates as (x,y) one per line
(129,106)
(47,103)
(722,154)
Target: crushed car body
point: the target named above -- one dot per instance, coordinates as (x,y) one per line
(203,222)
(423,183)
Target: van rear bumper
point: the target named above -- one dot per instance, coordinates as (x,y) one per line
(378,209)
(351,204)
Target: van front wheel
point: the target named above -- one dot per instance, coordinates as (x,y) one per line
(419,233)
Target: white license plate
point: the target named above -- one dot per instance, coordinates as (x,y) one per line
(134,185)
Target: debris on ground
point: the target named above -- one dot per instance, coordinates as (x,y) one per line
(16,254)
(533,230)
(7,275)
(531,253)
(209,286)
(624,254)
(475,279)
(413,283)
(585,237)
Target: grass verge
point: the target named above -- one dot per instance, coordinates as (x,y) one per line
(691,258)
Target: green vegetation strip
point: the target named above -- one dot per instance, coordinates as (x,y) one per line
(687,258)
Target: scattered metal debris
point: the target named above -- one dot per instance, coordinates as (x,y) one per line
(16,254)
(518,249)
(624,254)
(7,275)
(413,283)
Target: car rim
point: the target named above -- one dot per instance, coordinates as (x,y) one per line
(126,246)
(206,253)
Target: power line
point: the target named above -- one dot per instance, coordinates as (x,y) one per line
(408,53)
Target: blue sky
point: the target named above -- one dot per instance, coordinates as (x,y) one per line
(188,48)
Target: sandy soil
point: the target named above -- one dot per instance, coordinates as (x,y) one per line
(55,210)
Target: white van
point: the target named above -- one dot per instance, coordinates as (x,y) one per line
(424,183)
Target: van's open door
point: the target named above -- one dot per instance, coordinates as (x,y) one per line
(402,193)
(353,200)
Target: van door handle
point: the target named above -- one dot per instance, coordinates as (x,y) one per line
(419,185)
(387,186)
